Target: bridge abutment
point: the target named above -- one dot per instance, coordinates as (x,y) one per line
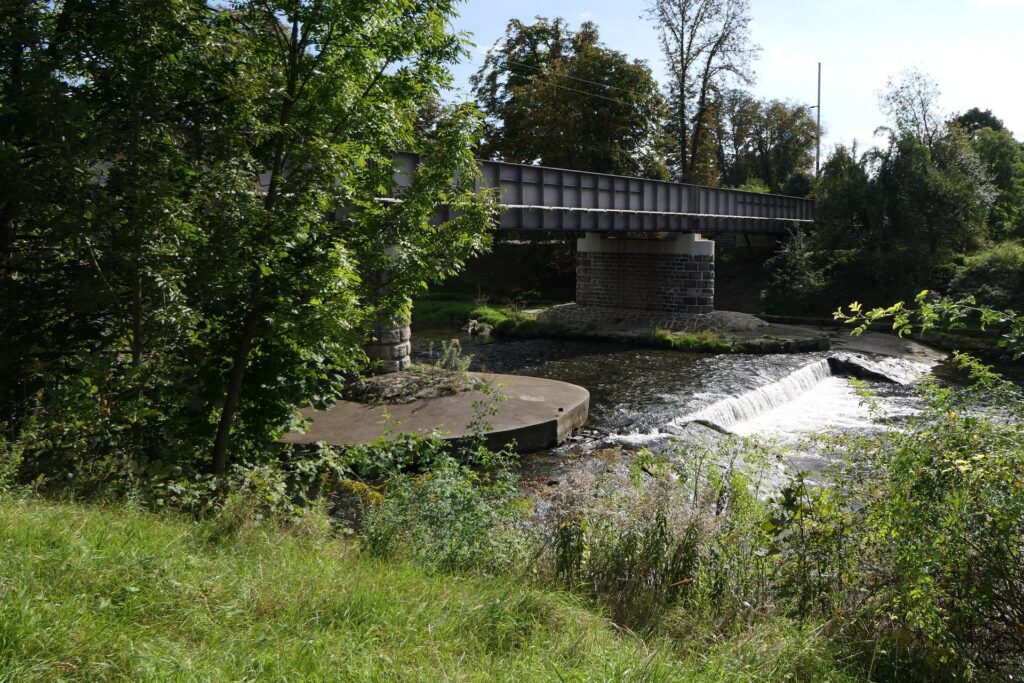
(673,275)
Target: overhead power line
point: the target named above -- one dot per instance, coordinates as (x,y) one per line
(581,80)
(581,92)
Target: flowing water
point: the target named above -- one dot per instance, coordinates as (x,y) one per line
(645,396)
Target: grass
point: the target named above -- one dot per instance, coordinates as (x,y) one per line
(430,313)
(507,321)
(703,341)
(91,592)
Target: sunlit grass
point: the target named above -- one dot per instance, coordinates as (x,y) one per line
(89,593)
(112,593)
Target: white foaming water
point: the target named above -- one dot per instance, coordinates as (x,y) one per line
(734,410)
(830,404)
(810,399)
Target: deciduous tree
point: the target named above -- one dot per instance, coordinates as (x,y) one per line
(561,98)
(707,47)
(191,275)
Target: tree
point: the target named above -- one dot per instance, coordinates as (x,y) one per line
(707,45)
(561,98)
(1003,157)
(770,141)
(974,119)
(194,256)
(910,100)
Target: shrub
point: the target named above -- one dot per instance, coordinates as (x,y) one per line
(994,276)
(681,533)
(11,456)
(451,517)
(927,564)
(796,283)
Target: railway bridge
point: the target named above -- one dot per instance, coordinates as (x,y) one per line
(639,241)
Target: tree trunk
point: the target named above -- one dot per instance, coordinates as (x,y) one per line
(239,364)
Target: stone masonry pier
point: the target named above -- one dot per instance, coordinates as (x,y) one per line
(675,274)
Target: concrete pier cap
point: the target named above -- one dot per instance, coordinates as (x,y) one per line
(674,273)
(687,243)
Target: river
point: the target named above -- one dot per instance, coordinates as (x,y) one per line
(646,397)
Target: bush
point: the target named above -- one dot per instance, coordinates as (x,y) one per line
(796,283)
(11,456)
(919,545)
(451,517)
(995,276)
(680,534)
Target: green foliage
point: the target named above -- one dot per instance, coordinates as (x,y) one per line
(754,185)
(994,276)
(81,582)
(974,119)
(563,99)
(928,561)
(765,145)
(902,218)
(681,534)
(795,282)
(451,357)
(889,223)
(451,517)
(169,283)
(1003,156)
(431,313)
(11,455)
(702,341)
(933,312)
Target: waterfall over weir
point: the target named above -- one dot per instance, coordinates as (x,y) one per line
(735,409)
(646,396)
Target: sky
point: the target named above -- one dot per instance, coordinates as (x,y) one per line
(974,49)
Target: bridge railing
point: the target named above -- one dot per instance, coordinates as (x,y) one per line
(543,198)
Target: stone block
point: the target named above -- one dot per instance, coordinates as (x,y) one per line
(386,367)
(393,336)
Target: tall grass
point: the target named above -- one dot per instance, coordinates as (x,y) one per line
(113,593)
(90,593)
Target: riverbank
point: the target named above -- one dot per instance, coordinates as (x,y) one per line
(92,592)
(717,332)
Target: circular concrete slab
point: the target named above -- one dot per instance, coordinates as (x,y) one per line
(535,413)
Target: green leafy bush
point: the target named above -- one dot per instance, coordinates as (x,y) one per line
(994,276)
(931,567)
(796,280)
(452,517)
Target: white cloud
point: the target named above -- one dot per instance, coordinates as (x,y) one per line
(585,16)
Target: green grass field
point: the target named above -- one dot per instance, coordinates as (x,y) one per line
(111,593)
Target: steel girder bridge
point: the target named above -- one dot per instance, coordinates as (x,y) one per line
(539,198)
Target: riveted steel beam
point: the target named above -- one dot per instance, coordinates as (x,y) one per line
(538,198)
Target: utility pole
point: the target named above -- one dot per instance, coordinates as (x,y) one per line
(817,152)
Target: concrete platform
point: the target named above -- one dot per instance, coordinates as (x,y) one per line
(536,413)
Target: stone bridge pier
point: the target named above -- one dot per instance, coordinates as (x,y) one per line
(672,274)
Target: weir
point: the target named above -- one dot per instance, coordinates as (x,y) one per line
(730,411)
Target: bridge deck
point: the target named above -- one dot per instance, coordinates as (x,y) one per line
(543,198)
